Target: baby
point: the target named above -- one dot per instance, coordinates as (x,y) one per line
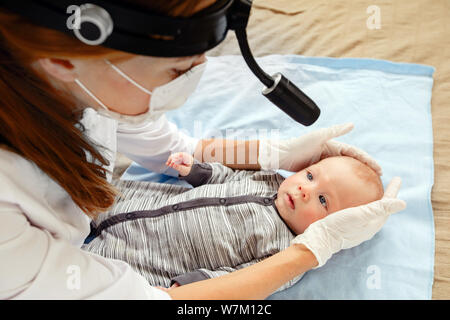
(328,186)
(229,220)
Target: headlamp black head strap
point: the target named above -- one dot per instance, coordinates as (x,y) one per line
(130,29)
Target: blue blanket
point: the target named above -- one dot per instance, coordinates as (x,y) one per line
(389,103)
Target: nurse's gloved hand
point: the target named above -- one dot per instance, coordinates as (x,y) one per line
(298,153)
(349,227)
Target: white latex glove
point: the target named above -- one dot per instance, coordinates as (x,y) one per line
(349,227)
(298,153)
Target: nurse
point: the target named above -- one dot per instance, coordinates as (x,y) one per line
(67,107)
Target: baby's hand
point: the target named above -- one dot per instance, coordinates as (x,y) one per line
(181,161)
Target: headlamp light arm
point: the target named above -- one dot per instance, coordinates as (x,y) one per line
(279,90)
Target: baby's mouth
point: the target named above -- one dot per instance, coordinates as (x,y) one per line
(289,201)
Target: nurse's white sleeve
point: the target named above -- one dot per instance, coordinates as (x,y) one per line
(35,265)
(151,144)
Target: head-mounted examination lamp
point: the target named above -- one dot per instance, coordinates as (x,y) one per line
(131,28)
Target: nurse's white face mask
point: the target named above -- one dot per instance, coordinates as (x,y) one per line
(169,96)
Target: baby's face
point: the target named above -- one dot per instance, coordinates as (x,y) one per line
(319,190)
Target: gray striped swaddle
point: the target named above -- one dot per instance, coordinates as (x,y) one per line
(172,233)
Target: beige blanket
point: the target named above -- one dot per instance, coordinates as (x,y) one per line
(411,31)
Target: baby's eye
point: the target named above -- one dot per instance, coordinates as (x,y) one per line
(309,176)
(323,201)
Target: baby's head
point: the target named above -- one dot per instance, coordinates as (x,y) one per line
(330,185)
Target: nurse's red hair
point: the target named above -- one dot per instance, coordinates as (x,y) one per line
(41,123)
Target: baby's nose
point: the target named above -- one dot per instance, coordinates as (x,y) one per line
(304,193)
